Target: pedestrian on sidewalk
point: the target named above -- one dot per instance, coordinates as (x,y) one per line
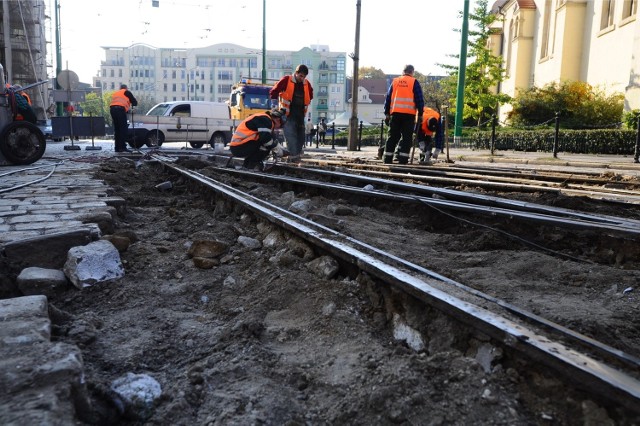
(308,129)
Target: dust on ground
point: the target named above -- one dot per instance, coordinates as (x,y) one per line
(260,338)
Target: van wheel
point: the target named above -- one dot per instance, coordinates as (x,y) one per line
(155,138)
(218,137)
(196,145)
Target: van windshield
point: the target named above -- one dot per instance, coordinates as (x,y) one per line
(159,109)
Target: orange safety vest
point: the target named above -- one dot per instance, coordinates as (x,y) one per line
(243,134)
(402,95)
(426,115)
(285,97)
(119,99)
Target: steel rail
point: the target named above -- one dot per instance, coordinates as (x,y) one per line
(473,198)
(555,176)
(566,218)
(579,368)
(607,194)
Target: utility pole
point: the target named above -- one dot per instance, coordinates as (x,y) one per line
(59,106)
(353,121)
(264,41)
(457,134)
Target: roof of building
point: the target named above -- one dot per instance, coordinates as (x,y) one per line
(522,4)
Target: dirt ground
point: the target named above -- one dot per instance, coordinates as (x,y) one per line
(258,336)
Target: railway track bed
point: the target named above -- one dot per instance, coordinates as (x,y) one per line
(281,331)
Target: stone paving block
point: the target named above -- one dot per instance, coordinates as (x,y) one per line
(11,213)
(52,249)
(30,218)
(34,280)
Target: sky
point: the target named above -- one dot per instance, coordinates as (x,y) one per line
(417,32)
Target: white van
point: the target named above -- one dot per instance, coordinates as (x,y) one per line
(196,122)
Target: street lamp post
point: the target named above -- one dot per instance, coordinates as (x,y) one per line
(188,83)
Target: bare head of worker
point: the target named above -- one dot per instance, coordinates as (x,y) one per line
(123,86)
(408,70)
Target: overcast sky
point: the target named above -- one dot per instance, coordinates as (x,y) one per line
(392,34)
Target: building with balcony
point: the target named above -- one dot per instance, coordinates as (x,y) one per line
(209,73)
(596,41)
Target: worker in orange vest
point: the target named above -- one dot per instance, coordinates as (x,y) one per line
(121,102)
(430,135)
(253,138)
(403,107)
(294,94)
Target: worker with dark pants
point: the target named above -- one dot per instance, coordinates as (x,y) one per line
(404,101)
(121,101)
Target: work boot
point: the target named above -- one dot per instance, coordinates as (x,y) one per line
(380,153)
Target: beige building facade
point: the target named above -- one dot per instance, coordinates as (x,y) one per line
(545,41)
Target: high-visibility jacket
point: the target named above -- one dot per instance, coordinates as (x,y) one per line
(286,96)
(24,94)
(244,134)
(120,99)
(427,114)
(402,100)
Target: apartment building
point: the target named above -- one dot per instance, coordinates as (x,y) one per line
(23,48)
(209,73)
(544,41)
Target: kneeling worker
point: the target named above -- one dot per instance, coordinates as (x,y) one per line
(253,138)
(430,135)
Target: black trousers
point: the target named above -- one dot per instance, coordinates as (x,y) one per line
(119,117)
(400,130)
(254,152)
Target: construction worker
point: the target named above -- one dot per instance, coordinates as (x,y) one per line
(403,103)
(24,94)
(431,125)
(121,102)
(20,105)
(294,94)
(253,138)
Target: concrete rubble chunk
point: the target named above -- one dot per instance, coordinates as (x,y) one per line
(94,263)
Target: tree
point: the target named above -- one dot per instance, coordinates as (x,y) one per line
(92,105)
(483,73)
(371,72)
(580,105)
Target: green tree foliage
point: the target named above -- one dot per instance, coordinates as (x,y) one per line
(371,72)
(630,119)
(483,73)
(580,105)
(92,105)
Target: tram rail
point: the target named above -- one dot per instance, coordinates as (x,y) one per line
(609,373)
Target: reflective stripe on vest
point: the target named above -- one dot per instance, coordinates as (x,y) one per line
(243,134)
(119,99)
(285,97)
(402,97)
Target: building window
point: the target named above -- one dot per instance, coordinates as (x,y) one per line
(224,88)
(544,52)
(629,8)
(606,19)
(225,75)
